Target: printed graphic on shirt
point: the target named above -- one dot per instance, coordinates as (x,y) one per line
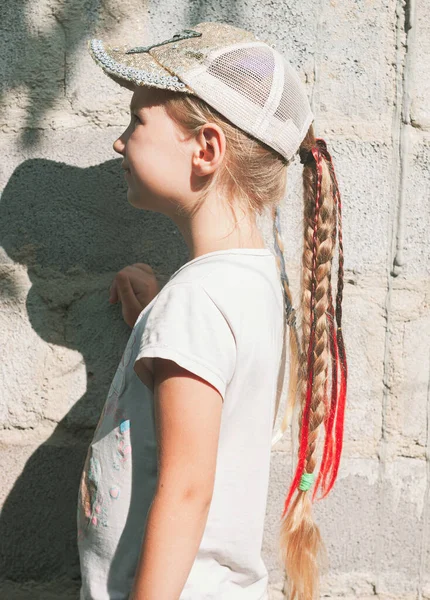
(123,444)
(93,508)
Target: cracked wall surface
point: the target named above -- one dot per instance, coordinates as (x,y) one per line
(66,229)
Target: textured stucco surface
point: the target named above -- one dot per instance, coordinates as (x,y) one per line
(66,228)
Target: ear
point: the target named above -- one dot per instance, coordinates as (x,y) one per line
(209,151)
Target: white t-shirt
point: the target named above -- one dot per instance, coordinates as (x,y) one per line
(221,317)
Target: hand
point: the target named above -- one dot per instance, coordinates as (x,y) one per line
(134,286)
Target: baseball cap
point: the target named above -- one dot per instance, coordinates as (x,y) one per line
(243,78)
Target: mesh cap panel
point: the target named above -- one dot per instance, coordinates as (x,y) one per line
(249,71)
(293,98)
(256,89)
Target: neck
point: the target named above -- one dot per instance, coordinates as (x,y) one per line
(213,228)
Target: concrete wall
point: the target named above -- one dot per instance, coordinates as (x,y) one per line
(66,228)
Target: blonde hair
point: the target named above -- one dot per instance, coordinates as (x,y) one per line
(255,176)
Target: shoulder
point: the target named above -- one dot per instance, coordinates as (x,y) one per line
(230,278)
(186,326)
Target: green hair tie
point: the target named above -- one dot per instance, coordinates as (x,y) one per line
(306,481)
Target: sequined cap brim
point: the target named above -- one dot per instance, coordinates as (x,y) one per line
(140,69)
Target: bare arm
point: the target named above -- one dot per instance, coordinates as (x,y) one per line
(188,417)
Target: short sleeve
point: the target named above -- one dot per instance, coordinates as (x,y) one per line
(186,326)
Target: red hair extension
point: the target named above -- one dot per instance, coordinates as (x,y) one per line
(335,411)
(329,420)
(333,444)
(330,410)
(316,151)
(340,343)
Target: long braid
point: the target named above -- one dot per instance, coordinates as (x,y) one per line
(333,351)
(321,348)
(339,353)
(317,255)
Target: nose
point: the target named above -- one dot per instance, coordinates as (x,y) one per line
(119,145)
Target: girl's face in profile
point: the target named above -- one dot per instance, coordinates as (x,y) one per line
(156,155)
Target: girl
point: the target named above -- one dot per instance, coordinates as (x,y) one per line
(173,491)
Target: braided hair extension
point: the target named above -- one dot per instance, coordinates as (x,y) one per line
(321,347)
(331,455)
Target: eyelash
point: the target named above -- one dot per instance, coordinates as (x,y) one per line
(136,117)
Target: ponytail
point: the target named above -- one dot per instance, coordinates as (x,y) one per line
(321,349)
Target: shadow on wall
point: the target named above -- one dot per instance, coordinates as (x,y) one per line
(73,229)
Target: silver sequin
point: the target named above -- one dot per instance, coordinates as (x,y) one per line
(138,76)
